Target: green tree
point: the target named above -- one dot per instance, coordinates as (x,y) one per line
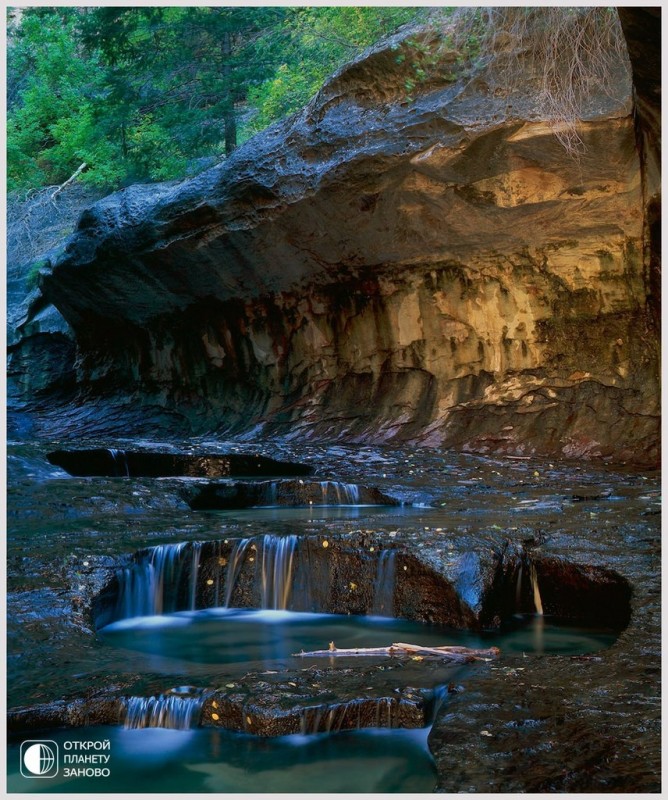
(52,124)
(315,42)
(184,70)
(137,93)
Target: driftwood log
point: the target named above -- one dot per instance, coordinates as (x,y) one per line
(459,655)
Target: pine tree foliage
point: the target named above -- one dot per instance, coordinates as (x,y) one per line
(143,93)
(148,93)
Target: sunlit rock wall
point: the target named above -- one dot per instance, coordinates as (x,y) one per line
(432,267)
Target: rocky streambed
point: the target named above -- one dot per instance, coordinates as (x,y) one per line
(132,604)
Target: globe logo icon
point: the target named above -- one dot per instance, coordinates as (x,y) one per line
(39,759)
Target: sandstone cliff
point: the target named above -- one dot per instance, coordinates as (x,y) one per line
(431,267)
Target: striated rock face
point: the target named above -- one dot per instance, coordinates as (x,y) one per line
(433,268)
(642,31)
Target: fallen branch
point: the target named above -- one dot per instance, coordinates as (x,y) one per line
(459,655)
(70,180)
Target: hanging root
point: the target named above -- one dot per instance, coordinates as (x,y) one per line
(573,52)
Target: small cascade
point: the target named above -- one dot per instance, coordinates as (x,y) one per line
(322,719)
(234,568)
(383,588)
(196,551)
(120,459)
(328,718)
(277,558)
(537,601)
(337,493)
(310,720)
(352,493)
(527,594)
(518,589)
(438,698)
(384,708)
(271,494)
(162,580)
(166,711)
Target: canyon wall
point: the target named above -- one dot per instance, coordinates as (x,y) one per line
(389,264)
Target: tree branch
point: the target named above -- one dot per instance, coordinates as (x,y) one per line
(70,180)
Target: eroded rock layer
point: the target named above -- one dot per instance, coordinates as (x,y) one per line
(432,267)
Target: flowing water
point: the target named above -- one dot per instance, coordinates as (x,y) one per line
(277,558)
(59,524)
(172,754)
(234,567)
(383,588)
(151,585)
(166,711)
(120,460)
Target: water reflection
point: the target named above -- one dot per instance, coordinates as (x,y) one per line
(241,639)
(537,634)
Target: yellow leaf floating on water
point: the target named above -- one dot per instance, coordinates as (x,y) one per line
(417,658)
(325,543)
(215,716)
(230,685)
(214,704)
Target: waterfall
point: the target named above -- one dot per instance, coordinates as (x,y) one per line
(276,558)
(369,712)
(384,708)
(352,492)
(234,568)
(163,579)
(120,459)
(526,564)
(337,493)
(165,711)
(328,718)
(271,494)
(537,601)
(154,583)
(383,587)
(310,718)
(193,573)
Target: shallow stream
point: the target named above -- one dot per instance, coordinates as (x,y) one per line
(64,528)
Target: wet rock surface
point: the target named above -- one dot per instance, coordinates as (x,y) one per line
(431,270)
(273,703)
(319,700)
(562,724)
(331,573)
(524,723)
(213,496)
(642,31)
(112,462)
(376,268)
